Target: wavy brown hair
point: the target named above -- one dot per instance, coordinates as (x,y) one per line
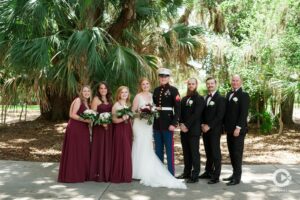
(108,95)
(118,94)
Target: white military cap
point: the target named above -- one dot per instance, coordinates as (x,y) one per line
(164,72)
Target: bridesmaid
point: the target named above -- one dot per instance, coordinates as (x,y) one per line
(102,137)
(122,139)
(75,160)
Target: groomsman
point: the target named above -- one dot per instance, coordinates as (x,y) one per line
(212,128)
(167,100)
(235,123)
(192,106)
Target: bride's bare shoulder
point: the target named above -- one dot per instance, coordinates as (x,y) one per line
(137,96)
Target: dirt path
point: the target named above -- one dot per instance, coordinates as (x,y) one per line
(42,140)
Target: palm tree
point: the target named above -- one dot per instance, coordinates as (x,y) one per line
(50,48)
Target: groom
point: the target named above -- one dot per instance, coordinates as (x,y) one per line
(167,100)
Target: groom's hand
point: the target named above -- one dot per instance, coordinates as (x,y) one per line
(183,128)
(171,128)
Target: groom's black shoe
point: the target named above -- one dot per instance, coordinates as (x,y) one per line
(205,175)
(183,176)
(213,181)
(228,179)
(193,180)
(233,182)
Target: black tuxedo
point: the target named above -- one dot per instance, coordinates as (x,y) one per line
(191,112)
(213,115)
(236,111)
(236,116)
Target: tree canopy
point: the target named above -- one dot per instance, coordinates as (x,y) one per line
(49,48)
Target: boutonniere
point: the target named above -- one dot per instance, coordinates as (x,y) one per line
(235,99)
(190,103)
(167,93)
(177,98)
(211,103)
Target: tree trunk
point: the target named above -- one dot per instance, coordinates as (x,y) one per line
(126,16)
(20,117)
(287,107)
(26,112)
(57,107)
(258,116)
(280,122)
(184,19)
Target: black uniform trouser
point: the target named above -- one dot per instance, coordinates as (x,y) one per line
(191,155)
(211,141)
(236,149)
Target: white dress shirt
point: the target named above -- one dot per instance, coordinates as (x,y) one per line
(210,97)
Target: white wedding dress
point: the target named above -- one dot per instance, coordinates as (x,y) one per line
(146,166)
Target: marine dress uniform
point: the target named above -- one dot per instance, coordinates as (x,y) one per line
(166,98)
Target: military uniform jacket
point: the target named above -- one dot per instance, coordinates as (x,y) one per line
(214,112)
(191,113)
(236,111)
(166,96)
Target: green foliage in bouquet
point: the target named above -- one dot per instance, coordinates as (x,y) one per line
(89,114)
(124,111)
(149,112)
(103,118)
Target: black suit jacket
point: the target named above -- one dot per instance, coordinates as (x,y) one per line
(236,111)
(166,96)
(191,113)
(214,112)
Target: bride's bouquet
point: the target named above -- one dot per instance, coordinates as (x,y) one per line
(89,114)
(149,112)
(103,118)
(124,111)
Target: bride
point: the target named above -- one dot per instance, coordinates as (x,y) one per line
(146,166)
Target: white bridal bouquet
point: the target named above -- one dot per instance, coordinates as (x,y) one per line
(104,118)
(124,111)
(89,114)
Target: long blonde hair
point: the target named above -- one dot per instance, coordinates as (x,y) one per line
(140,83)
(82,99)
(118,94)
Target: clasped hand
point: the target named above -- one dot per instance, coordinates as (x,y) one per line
(183,128)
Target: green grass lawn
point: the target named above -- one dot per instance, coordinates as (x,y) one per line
(29,107)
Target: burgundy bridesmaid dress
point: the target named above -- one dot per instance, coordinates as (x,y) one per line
(101,155)
(122,145)
(75,159)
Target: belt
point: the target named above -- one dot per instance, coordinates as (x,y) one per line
(166,108)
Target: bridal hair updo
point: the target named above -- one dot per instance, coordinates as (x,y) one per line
(140,89)
(81,95)
(118,94)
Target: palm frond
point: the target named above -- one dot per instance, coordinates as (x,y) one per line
(124,66)
(30,53)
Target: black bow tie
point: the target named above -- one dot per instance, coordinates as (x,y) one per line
(209,95)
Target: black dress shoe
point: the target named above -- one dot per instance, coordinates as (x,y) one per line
(183,176)
(205,175)
(228,179)
(233,182)
(213,181)
(193,180)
